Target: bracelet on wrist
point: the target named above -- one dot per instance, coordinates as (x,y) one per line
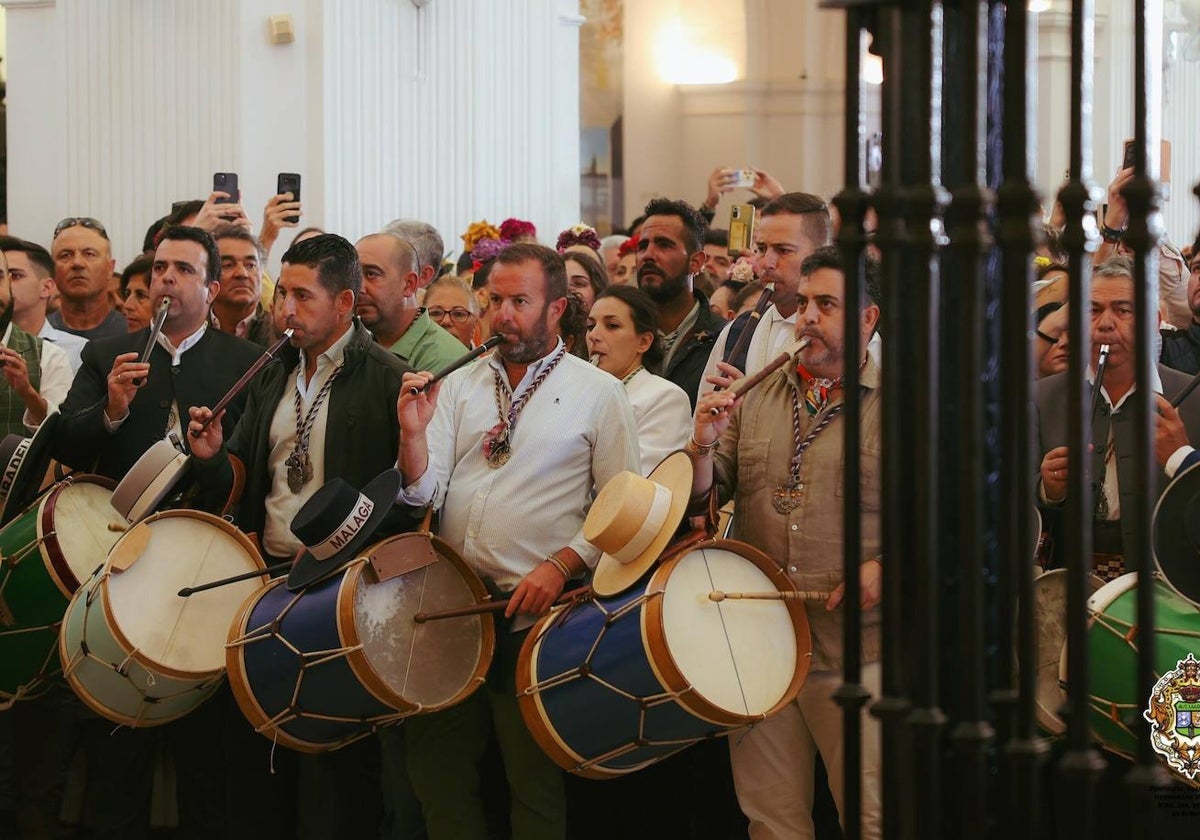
(560,565)
(697,448)
(1111,235)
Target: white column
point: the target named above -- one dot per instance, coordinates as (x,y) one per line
(449,113)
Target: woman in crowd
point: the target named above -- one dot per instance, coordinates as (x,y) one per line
(622,337)
(135,293)
(586,277)
(450,303)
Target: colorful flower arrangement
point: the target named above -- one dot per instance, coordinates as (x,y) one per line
(580,234)
(517,229)
(742,270)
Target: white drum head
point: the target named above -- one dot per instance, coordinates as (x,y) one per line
(427,664)
(82,514)
(1050,618)
(185,548)
(739,655)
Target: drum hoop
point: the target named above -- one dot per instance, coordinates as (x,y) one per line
(537,721)
(119,635)
(1047,716)
(361,666)
(48,545)
(85,695)
(235,671)
(667,670)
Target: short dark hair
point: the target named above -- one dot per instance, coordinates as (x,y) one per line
(830,256)
(39,257)
(240,233)
(572,326)
(334,258)
(597,276)
(815,223)
(181,210)
(694,225)
(645,320)
(184,233)
(142,264)
(553,268)
(718,237)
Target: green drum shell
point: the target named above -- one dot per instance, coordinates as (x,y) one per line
(105,690)
(1112,645)
(36,583)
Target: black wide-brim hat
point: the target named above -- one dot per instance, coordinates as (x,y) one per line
(24,461)
(1177,533)
(336,522)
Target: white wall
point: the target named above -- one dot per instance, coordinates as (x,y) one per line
(459,110)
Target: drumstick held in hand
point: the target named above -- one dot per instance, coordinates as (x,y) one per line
(459,362)
(245,380)
(745,384)
(490,606)
(213,584)
(790,595)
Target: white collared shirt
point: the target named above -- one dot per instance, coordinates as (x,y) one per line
(773,333)
(68,342)
(575,433)
(282,504)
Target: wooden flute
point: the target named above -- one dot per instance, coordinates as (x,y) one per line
(245,380)
(744,384)
(160,318)
(459,362)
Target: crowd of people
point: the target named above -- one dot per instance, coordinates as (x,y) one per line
(612,353)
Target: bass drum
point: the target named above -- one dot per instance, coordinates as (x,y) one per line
(608,686)
(320,668)
(132,648)
(48,550)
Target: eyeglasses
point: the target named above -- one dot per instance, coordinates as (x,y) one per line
(82,221)
(458,315)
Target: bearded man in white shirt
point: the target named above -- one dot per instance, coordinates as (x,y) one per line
(512,449)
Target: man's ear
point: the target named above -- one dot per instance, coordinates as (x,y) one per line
(344,302)
(213,289)
(696,261)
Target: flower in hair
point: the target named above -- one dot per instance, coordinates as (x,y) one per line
(479,230)
(629,246)
(516,229)
(742,271)
(580,234)
(488,248)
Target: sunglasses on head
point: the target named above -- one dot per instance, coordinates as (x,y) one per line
(82,221)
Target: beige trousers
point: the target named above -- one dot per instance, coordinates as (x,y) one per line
(773,763)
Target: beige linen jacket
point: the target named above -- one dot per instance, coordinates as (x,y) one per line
(754,458)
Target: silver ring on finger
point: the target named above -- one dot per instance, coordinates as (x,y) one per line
(120,377)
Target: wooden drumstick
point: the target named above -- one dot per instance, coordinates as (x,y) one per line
(790,595)
(744,384)
(213,584)
(490,606)
(459,362)
(245,380)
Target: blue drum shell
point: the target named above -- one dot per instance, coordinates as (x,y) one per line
(656,723)
(328,685)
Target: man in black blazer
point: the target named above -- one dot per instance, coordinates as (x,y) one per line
(1113,323)
(118,407)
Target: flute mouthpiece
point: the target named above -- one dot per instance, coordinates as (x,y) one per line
(595,360)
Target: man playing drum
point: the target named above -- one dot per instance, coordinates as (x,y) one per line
(790,507)
(512,450)
(117,408)
(324,409)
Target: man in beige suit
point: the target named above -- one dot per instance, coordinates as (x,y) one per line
(789,489)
